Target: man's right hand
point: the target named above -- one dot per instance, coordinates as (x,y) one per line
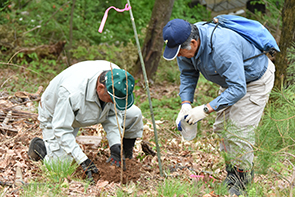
(115,157)
(185,108)
(89,167)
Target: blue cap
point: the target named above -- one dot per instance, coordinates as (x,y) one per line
(175,33)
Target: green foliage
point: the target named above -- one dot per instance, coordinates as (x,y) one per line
(57,171)
(40,21)
(275,136)
(163,108)
(168,71)
(48,21)
(182,10)
(21,80)
(37,189)
(255,190)
(56,176)
(122,55)
(185,187)
(173,187)
(4,5)
(33,73)
(82,53)
(272,18)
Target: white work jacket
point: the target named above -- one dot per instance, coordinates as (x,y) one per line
(70,101)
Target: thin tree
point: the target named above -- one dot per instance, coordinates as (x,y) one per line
(153,43)
(71,33)
(286,40)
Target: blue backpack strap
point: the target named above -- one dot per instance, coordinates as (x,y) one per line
(264,52)
(217,23)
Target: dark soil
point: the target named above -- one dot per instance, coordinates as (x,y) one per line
(112,173)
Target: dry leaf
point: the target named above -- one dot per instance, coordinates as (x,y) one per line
(101,183)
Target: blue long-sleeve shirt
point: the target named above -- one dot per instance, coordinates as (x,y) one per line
(223,66)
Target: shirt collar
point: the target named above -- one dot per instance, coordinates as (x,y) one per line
(91,94)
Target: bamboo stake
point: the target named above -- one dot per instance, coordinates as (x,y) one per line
(119,127)
(147,88)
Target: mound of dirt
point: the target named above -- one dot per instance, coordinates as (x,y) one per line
(112,173)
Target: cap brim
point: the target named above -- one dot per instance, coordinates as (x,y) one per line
(171,53)
(121,103)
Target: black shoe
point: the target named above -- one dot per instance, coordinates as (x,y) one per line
(128,145)
(37,149)
(237,180)
(231,178)
(237,189)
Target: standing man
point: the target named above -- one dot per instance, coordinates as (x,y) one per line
(244,89)
(83,95)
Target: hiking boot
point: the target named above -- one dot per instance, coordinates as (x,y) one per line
(37,149)
(237,180)
(128,145)
(231,177)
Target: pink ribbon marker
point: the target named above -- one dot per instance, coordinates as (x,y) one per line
(201,176)
(105,16)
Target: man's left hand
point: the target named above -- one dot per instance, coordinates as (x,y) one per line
(115,157)
(196,114)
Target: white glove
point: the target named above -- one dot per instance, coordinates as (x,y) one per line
(196,114)
(185,108)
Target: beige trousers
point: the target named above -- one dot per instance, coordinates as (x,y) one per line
(236,124)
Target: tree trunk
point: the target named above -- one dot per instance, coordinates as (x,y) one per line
(286,39)
(153,43)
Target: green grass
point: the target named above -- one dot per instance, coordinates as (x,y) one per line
(53,179)
(38,189)
(57,171)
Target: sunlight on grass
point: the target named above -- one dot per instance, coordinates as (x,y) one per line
(57,171)
(189,187)
(36,189)
(55,178)
(41,189)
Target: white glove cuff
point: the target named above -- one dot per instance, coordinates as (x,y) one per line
(186,107)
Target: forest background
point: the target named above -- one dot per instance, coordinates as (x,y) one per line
(39,39)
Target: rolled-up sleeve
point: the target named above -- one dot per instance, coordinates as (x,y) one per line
(62,125)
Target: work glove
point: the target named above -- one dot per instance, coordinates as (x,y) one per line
(196,114)
(89,167)
(185,108)
(115,157)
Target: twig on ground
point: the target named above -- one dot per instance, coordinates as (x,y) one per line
(5,81)
(9,129)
